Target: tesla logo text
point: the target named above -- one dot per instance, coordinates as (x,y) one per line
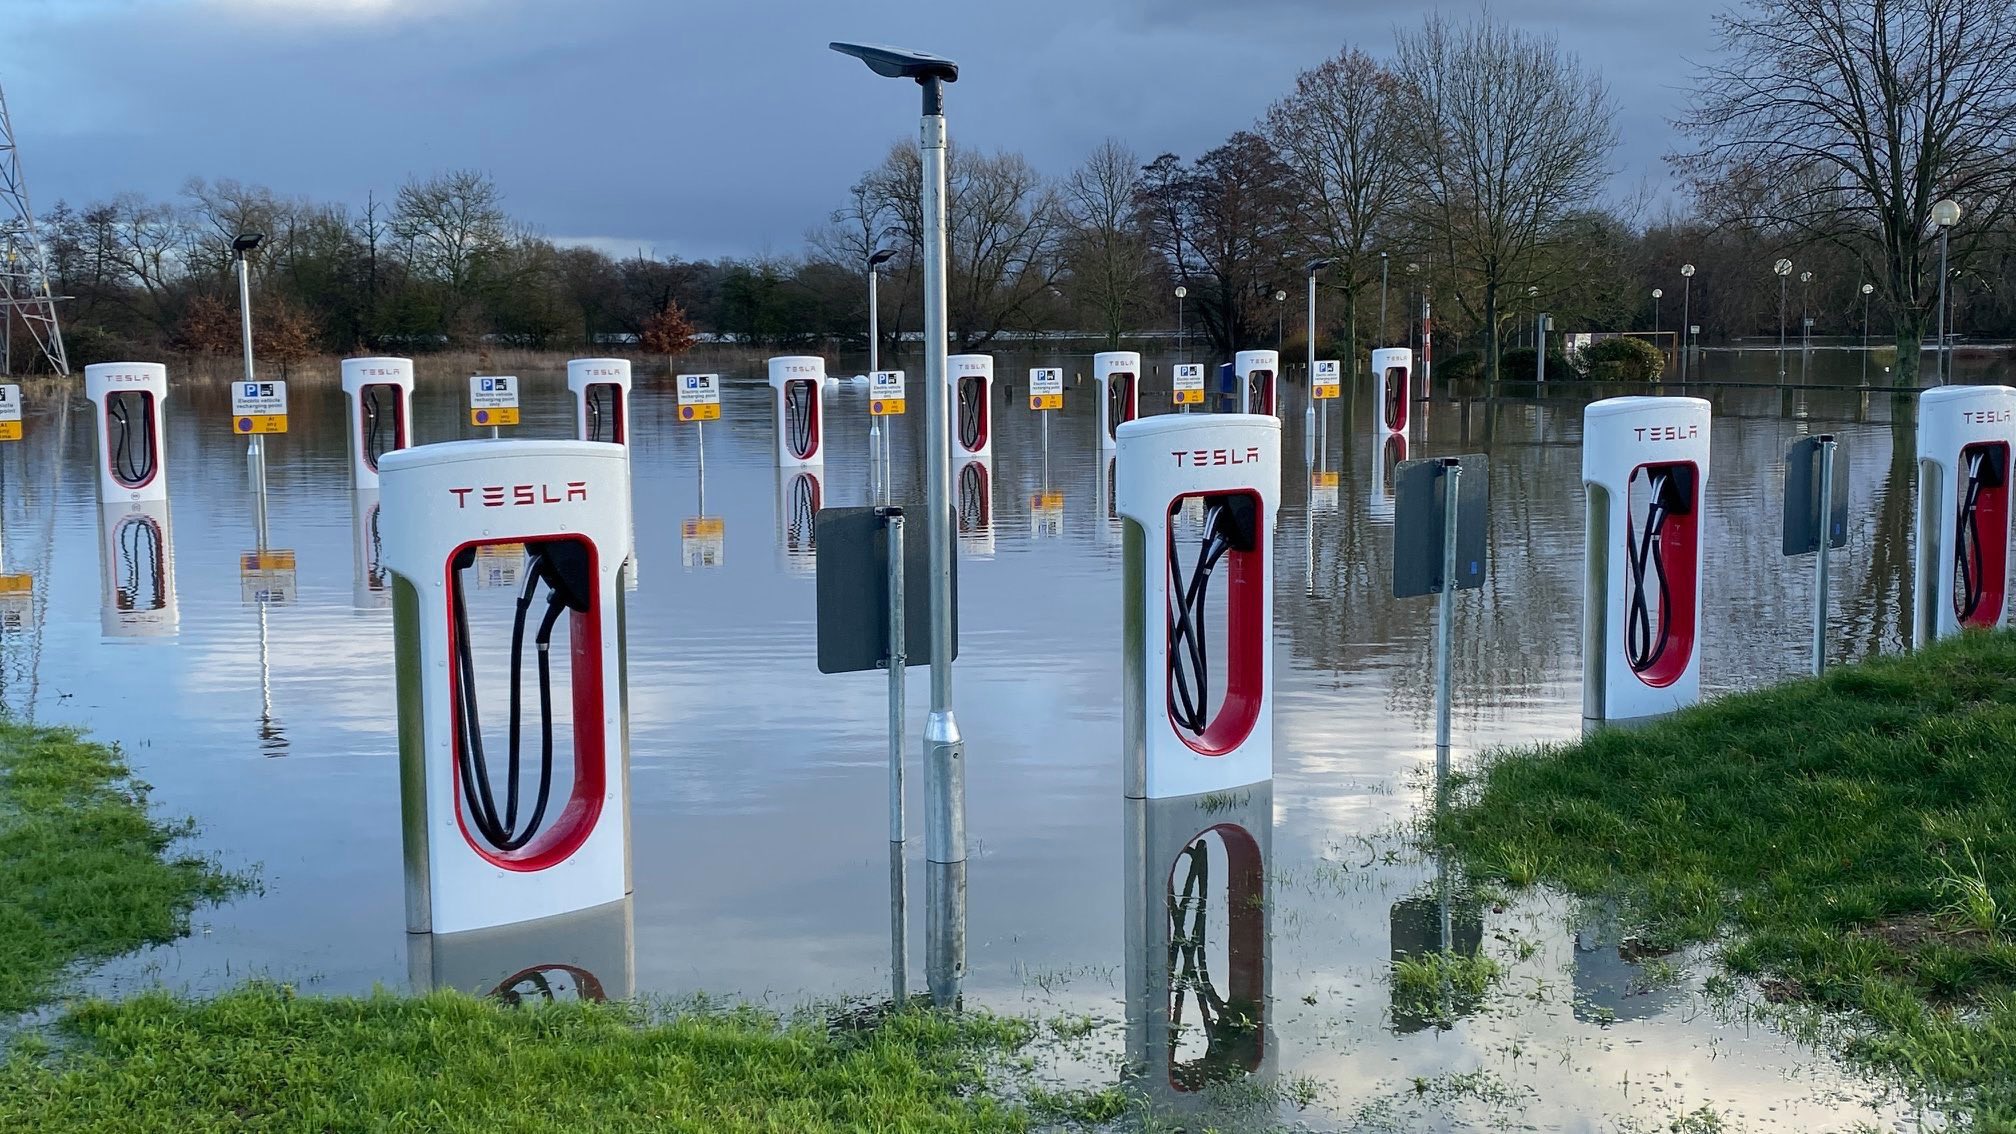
(602,371)
(379,372)
(1987,417)
(1667,432)
(1195,457)
(519,495)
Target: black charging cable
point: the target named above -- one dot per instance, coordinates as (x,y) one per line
(798,395)
(1642,647)
(971,406)
(804,510)
(132,461)
(1118,389)
(1256,386)
(973,502)
(1228,526)
(374,427)
(1189,957)
(562,568)
(601,403)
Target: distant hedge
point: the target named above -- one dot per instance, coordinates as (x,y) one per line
(1517,365)
(1623,360)
(1460,367)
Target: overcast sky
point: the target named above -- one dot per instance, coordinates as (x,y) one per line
(698,128)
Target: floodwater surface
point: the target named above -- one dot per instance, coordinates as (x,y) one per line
(759,785)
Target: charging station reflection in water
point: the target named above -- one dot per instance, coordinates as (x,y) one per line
(1379,503)
(801,492)
(136,555)
(371,580)
(585,956)
(975,507)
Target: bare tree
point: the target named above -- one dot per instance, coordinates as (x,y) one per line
(1335,134)
(452,227)
(1222,224)
(1844,121)
(1505,134)
(1111,268)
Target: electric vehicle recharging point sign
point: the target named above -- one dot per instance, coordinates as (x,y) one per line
(699,397)
(885,393)
(1046,388)
(1802,497)
(258,407)
(493,400)
(1419,520)
(1327,383)
(1188,379)
(10,413)
(266,578)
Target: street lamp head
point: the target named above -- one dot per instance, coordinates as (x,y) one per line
(1805,277)
(1687,270)
(1181,291)
(1413,268)
(901,63)
(1315,266)
(1658,293)
(247,241)
(1533,292)
(1867,288)
(882,257)
(1280,296)
(1782,267)
(1946,213)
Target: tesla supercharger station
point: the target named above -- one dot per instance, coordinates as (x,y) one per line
(971,377)
(1118,373)
(126,400)
(378,394)
(798,383)
(1392,387)
(1962,562)
(1199,968)
(1258,373)
(1199,493)
(1645,476)
(495,831)
(601,389)
(136,552)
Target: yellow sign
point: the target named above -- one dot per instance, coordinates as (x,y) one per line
(1047,501)
(1324,391)
(710,412)
(886,407)
(1046,401)
(1326,479)
(1189,397)
(258,423)
(16,584)
(266,561)
(10,431)
(703,526)
(493,416)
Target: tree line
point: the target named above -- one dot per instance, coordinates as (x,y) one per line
(1471,166)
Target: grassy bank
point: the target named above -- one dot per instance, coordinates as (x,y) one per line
(85,873)
(262,1059)
(1850,842)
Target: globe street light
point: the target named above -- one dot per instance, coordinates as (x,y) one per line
(878,457)
(1322,423)
(1657,295)
(1945,214)
(1182,342)
(1686,315)
(1867,288)
(1805,318)
(1532,314)
(944,748)
(1280,319)
(1784,269)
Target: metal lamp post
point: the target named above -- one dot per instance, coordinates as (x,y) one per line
(1945,214)
(1322,421)
(1658,293)
(1413,283)
(879,463)
(1783,268)
(1280,320)
(1382,311)
(1686,315)
(1805,313)
(944,748)
(255,450)
(1533,314)
(1867,290)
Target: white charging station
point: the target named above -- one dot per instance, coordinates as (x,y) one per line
(601,389)
(1259,374)
(126,400)
(378,401)
(797,384)
(1200,493)
(1392,387)
(1118,373)
(1200,973)
(1961,566)
(970,381)
(801,492)
(480,853)
(1645,476)
(136,556)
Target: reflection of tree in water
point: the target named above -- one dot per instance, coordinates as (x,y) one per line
(1228,1024)
(1434,921)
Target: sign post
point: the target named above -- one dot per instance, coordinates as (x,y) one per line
(493,401)
(10,413)
(885,399)
(1816,519)
(1438,548)
(1046,393)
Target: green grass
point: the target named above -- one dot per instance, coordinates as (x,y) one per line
(85,873)
(261,1058)
(1851,840)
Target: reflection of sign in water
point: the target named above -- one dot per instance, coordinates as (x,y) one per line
(17,598)
(266,577)
(1188,378)
(1046,514)
(702,539)
(493,400)
(885,393)
(1046,388)
(10,413)
(258,407)
(548,983)
(699,397)
(1326,382)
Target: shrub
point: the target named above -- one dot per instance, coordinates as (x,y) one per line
(1623,360)
(1516,365)
(1460,367)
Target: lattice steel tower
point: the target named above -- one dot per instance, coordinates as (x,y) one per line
(25,299)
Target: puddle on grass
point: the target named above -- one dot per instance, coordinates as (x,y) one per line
(758,785)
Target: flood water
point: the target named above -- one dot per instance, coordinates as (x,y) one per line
(758,785)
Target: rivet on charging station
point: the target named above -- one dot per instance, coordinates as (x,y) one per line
(1441,505)
(874,612)
(1816,471)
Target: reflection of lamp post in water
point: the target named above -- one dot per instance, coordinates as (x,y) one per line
(879,463)
(945,749)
